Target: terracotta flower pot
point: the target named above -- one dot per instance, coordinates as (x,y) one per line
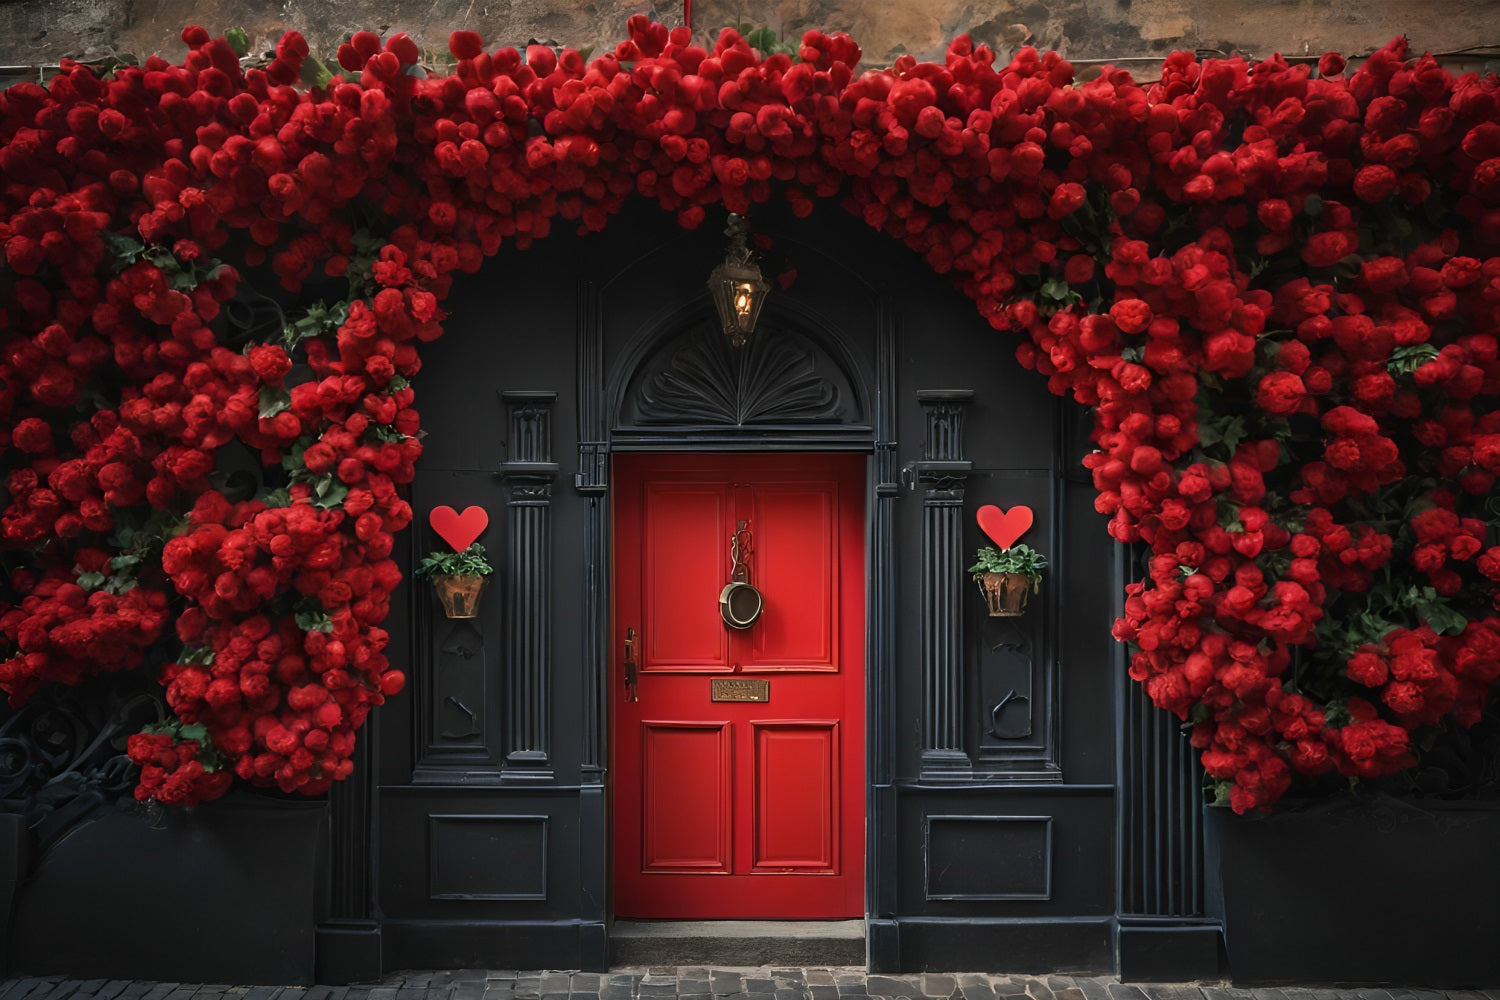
(459,595)
(1005,594)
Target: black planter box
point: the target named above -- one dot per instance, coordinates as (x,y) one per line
(1380,891)
(229,892)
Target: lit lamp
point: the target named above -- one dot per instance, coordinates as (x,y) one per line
(737,286)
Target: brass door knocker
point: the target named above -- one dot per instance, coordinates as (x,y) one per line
(740,604)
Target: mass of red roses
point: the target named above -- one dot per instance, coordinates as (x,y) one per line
(1277,287)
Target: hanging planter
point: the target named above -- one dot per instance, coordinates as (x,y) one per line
(1008,575)
(459,595)
(459,579)
(1005,594)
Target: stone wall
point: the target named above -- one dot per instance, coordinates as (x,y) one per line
(39,32)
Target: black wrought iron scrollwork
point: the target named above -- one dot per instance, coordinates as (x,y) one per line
(62,754)
(251,317)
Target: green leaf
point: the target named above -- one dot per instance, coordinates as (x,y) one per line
(1442,618)
(1221,792)
(313,620)
(292,460)
(197,731)
(329,492)
(1313,206)
(277,498)
(1337,713)
(201,655)
(315,74)
(1405,360)
(238,40)
(273,400)
(762,38)
(125,250)
(91,581)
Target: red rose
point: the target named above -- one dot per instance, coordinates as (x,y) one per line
(270,363)
(1326,249)
(1281,393)
(465,44)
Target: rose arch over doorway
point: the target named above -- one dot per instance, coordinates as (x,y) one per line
(1275,288)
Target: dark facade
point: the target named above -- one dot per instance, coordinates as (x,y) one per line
(1024,810)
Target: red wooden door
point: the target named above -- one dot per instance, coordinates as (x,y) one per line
(733,809)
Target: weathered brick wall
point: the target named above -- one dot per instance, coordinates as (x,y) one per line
(36,32)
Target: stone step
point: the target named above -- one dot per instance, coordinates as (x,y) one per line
(737,943)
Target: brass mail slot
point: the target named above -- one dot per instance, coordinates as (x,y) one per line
(740,689)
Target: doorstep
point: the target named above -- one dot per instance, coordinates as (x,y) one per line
(817,943)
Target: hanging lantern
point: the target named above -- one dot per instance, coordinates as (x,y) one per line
(737,286)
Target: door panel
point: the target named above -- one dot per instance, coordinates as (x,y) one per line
(739,809)
(686,524)
(796,796)
(686,797)
(796,567)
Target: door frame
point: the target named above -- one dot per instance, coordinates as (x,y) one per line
(881,492)
(612,680)
(607,369)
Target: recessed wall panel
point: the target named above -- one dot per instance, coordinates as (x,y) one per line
(989,857)
(487,857)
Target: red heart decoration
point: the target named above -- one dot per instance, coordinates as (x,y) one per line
(1004,526)
(459,530)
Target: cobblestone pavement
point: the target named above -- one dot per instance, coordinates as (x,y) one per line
(701,983)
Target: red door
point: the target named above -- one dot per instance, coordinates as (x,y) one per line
(730,808)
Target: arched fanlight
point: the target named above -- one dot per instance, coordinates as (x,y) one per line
(737,286)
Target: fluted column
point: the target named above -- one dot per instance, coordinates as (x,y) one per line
(941,475)
(528,476)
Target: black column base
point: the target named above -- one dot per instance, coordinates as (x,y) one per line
(1170,953)
(883,945)
(348,951)
(944,765)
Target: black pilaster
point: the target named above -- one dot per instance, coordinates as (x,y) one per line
(348,942)
(528,478)
(1165,932)
(942,474)
(592,481)
(881,896)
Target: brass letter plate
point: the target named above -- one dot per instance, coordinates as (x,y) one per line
(740,689)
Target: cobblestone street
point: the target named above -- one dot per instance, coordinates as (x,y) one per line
(703,983)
